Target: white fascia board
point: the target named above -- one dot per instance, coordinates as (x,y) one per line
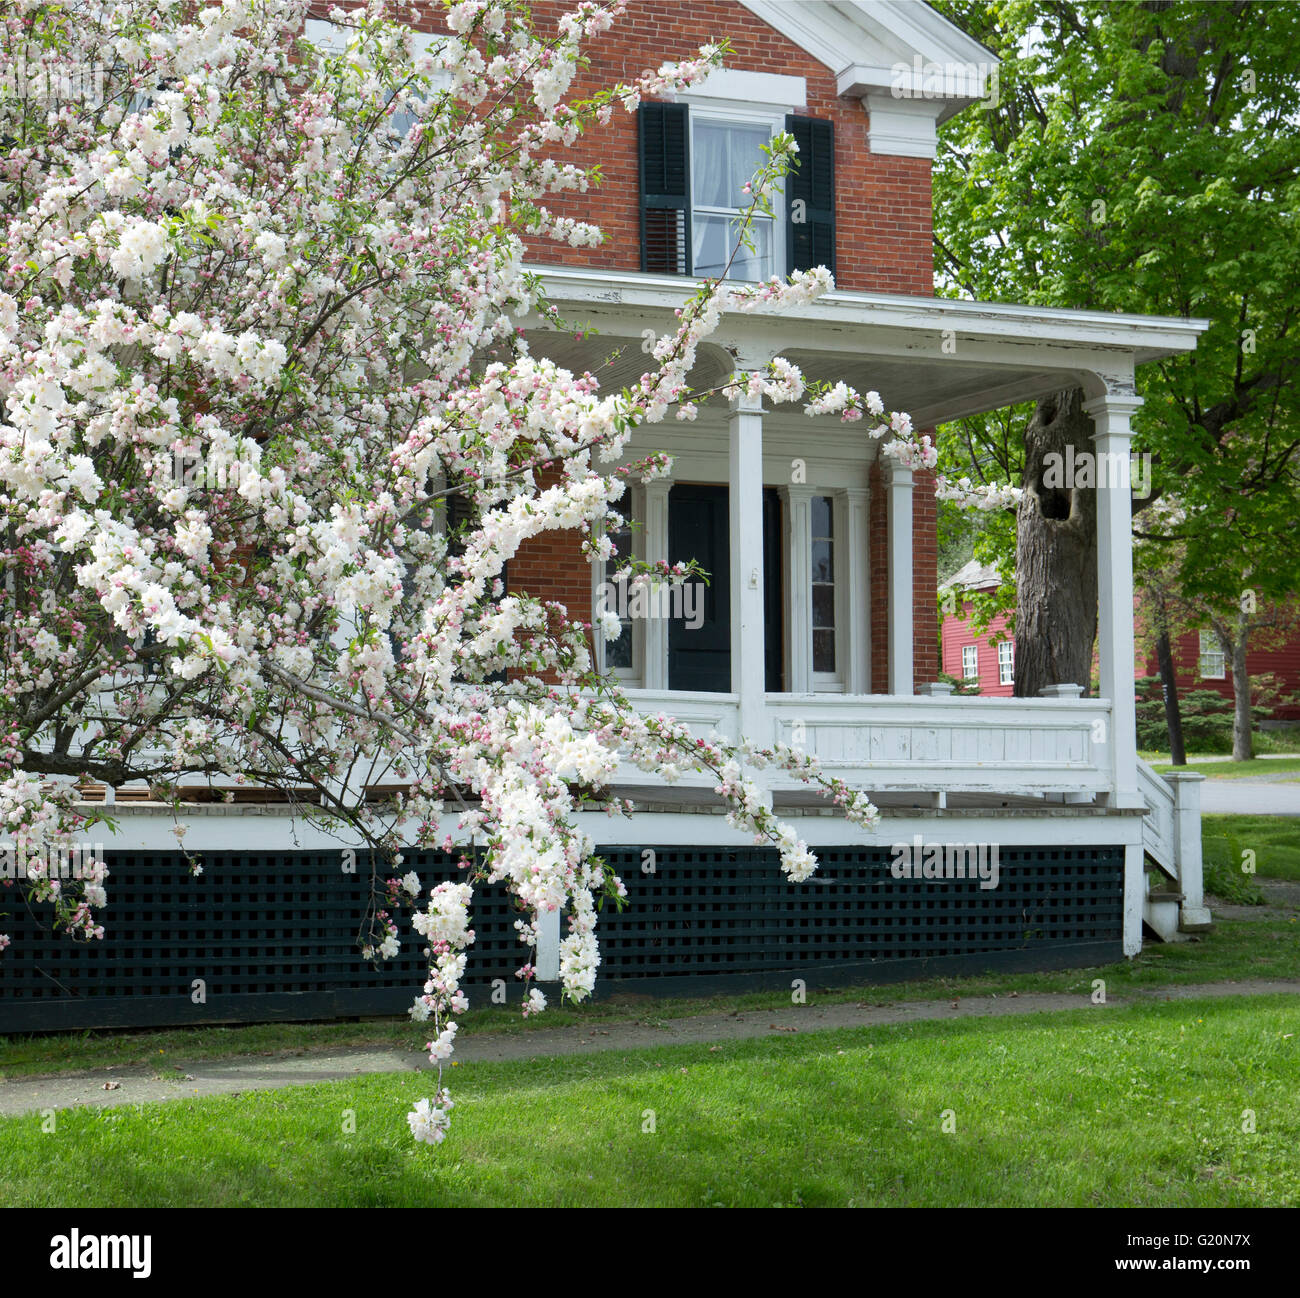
(763,89)
(927,31)
(1143,337)
(876,45)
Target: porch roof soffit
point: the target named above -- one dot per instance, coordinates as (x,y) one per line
(936,358)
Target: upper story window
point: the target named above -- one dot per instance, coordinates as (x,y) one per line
(694,163)
(333,39)
(1213,663)
(727,153)
(970,661)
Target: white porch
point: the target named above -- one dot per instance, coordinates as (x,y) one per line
(938,360)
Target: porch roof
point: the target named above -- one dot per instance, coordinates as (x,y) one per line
(936,358)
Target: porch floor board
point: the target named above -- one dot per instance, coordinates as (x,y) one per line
(701,801)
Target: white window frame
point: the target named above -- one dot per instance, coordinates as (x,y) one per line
(1006,662)
(333,38)
(1212,652)
(718,110)
(970,662)
(831,682)
(634,676)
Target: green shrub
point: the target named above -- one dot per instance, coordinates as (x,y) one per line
(1225,880)
(1207,718)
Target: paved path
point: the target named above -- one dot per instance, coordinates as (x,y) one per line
(1251,798)
(138,1085)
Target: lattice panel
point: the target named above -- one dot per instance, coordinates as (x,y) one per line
(262,927)
(254,923)
(718,911)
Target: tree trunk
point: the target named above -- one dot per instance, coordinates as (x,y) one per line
(1056,553)
(1169,688)
(1243,748)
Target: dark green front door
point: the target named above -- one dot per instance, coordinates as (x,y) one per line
(698,528)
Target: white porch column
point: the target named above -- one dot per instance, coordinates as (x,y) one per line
(899,493)
(745,517)
(798,561)
(853,504)
(1112,414)
(655,661)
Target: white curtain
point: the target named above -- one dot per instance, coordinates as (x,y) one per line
(724,157)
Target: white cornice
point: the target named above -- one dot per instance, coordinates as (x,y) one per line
(1144,337)
(899,47)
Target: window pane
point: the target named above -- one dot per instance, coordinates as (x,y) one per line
(618,653)
(714,238)
(823,606)
(621,537)
(821,516)
(726,155)
(823,651)
(822,565)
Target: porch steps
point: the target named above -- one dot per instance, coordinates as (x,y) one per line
(1171,840)
(1160,913)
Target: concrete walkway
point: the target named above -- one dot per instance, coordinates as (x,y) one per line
(109,1087)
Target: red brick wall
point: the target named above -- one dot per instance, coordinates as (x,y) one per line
(883,204)
(883,237)
(925,559)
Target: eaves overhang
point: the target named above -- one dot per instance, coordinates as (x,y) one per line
(942,357)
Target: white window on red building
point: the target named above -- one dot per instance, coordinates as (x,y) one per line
(1213,663)
(970,661)
(1006,663)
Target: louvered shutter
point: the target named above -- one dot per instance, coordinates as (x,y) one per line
(664,134)
(810,196)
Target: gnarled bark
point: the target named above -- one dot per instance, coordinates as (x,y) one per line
(1056,553)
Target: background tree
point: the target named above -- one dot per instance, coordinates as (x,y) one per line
(1144,158)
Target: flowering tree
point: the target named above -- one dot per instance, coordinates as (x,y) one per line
(258,323)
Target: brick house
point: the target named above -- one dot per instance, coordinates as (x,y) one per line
(819,625)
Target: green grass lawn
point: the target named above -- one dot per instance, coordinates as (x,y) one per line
(1137,1106)
(1257,767)
(1275,840)
(1236,949)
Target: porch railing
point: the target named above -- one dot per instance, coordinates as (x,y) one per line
(907,742)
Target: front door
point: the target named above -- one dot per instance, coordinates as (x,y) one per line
(699,656)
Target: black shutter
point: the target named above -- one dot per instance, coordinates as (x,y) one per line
(811,227)
(664,134)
